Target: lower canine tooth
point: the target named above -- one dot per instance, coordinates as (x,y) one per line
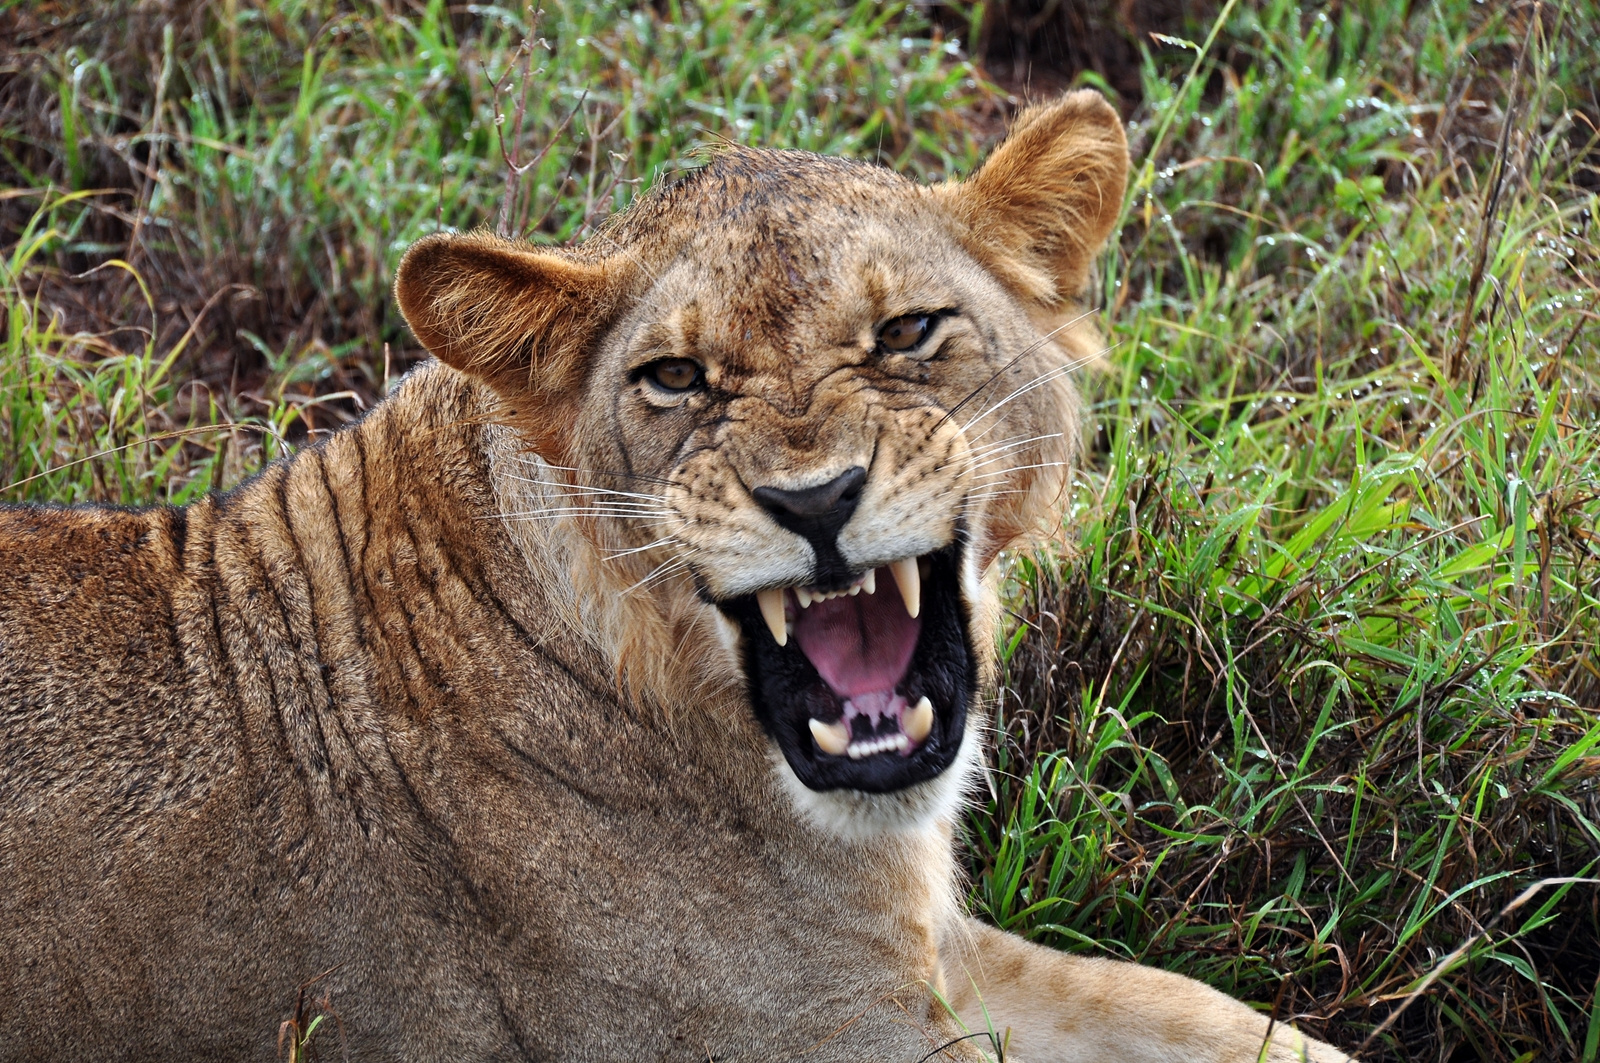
(909,580)
(918,720)
(771,603)
(831,738)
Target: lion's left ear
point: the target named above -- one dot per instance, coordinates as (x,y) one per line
(1039,209)
(521,319)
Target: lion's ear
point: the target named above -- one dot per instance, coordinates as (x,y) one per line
(520,319)
(1039,209)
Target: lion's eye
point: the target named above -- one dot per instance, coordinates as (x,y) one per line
(904,333)
(674,374)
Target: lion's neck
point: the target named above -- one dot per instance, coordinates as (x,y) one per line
(665,649)
(627,624)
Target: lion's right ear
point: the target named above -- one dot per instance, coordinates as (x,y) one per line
(521,319)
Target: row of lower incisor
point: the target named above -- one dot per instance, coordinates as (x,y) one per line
(834,738)
(906,577)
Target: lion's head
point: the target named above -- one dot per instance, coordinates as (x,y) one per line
(822,399)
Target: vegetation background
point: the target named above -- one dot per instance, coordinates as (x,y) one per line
(1307,704)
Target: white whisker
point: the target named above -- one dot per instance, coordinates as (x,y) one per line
(641,549)
(539,463)
(644,518)
(604,506)
(1038,381)
(1020,468)
(1048,376)
(996,460)
(594,505)
(1036,345)
(664,569)
(588,490)
(1009,444)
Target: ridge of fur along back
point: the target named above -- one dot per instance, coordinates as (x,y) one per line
(613,688)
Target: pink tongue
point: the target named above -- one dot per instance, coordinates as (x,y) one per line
(859,644)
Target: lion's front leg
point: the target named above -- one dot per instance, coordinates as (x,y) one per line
(1066,1009)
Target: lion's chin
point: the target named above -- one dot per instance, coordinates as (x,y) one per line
(863,686)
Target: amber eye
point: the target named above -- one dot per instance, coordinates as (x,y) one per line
(674,374)
(904,333)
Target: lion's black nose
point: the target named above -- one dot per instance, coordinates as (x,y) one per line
(815,513)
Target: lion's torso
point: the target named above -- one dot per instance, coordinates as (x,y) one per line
(322,724)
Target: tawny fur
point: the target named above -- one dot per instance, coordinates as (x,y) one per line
(441,709)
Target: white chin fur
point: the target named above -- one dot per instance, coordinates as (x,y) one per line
(853,816)
(728,634)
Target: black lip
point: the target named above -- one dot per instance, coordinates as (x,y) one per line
(786,691)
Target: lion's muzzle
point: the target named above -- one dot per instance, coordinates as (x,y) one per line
(863,682)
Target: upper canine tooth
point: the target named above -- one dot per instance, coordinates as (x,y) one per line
(917,721)
(832,738)
(910,582)
(771,603)
(869,581)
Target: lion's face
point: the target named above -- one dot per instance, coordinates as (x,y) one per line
(787,396)
(822,396)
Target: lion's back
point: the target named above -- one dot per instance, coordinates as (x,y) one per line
(87,643)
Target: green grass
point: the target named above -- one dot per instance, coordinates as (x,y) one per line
(284,158)
(1311,698)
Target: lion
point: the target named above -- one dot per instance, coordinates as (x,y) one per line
(612,689)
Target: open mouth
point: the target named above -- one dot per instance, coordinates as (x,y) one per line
(863,685)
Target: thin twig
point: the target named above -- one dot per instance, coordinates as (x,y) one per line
(1460,950)
(1453,365)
